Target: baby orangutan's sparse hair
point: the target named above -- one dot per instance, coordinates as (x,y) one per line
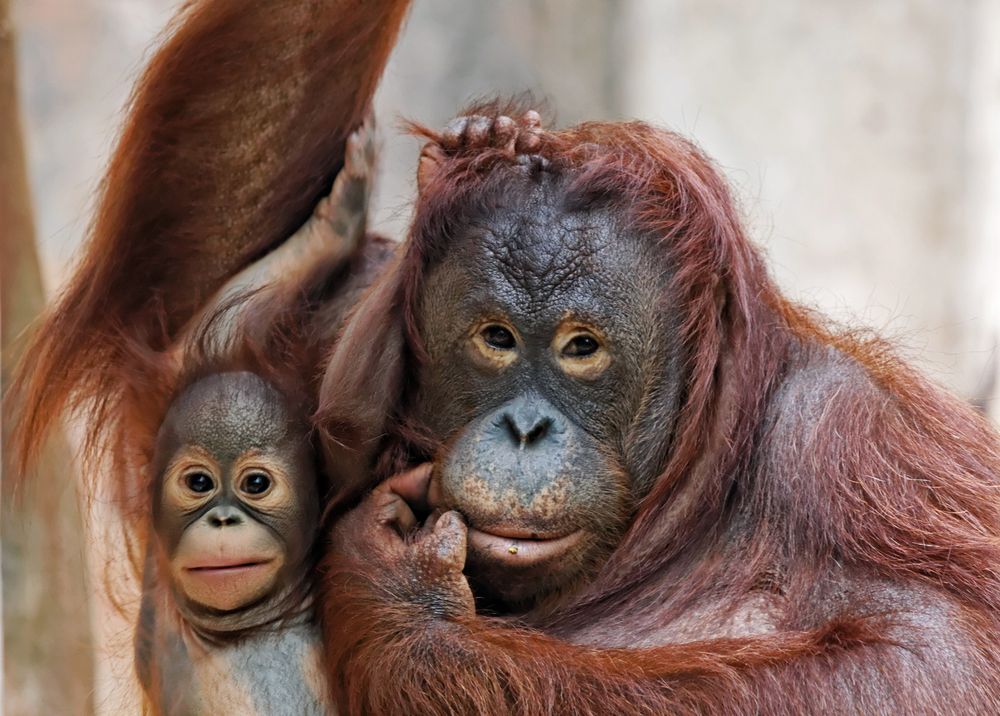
(226,623)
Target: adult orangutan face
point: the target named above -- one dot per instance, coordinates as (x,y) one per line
(552,351)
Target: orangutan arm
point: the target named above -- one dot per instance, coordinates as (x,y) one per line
(234,132)
(323,244)
(400,628)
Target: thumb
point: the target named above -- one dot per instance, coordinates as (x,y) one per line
(448,540)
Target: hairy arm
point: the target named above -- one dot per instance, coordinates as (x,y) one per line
(402,636)
(234,132)
(256,299)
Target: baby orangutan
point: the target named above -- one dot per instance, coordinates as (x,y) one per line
(226,622)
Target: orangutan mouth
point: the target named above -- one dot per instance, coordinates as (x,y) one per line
(521,548)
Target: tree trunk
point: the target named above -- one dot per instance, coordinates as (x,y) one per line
(47,648)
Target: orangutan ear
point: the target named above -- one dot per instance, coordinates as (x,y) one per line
(362,383)
(431,158)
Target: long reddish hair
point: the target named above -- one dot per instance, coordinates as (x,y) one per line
(933,519)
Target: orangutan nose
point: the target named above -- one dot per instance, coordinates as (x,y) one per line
(527,422)
(224,516)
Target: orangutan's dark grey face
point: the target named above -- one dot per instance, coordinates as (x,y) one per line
(549,338)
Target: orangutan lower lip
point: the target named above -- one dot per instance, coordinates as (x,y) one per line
(521,551)
(522,533)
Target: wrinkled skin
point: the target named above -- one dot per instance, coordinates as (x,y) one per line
(429,555)
(236,507)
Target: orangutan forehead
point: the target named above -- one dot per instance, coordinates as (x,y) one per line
(529,249)
(227,414)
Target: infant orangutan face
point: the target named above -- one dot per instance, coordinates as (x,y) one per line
(236,506)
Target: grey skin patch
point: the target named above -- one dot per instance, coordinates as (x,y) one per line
(496,479)
(272,672)
(227,414)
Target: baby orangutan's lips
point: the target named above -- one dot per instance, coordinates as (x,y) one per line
(223,568)
(519,547)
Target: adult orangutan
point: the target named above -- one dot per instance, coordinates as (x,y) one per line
(669,489)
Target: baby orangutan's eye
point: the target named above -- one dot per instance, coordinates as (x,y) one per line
(199,482)
(256,484)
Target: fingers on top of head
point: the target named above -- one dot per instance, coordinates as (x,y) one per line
(455,132)
(502,132)
(523,136)
(505,133)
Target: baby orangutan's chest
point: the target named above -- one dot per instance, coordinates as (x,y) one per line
(269,674)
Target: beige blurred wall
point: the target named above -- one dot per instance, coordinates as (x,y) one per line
(77,61)
(864,141)
(862,137)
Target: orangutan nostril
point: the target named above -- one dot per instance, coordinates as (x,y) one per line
(538,431)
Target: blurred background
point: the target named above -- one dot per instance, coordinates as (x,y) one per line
(862,139)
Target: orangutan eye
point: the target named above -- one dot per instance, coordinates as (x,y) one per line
(498,337)
(581,345)
(256,483)
(580,352)
(199,482)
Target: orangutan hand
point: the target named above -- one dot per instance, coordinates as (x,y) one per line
(419,564)
(342,214)
(516,136)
